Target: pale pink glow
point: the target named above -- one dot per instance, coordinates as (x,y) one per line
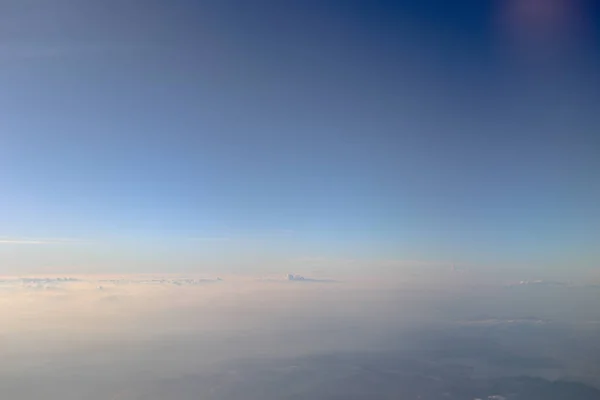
(543,13)
(541,20)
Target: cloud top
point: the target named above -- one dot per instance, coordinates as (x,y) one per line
(300,278)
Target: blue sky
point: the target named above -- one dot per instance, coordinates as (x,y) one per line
(214,134)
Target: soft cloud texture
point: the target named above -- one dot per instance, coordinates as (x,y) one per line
(300,278)
(161,327)
(6,240)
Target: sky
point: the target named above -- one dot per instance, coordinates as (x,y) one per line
(249,136)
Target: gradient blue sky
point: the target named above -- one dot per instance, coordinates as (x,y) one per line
(186,134)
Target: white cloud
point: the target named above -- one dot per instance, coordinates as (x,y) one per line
(185,281)
(22,241)
(300,278)
(505,321)
(540,282)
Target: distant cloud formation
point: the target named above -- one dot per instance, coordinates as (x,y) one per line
(162,281)
(292,277)
(300,278)
(21,241)
(541,283)
(86,283)
(49,280)
(8,240)
(505,321)
(38,283)
(457,270)
(191,321)
(551,284)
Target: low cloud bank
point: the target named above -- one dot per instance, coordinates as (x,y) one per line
(300,278)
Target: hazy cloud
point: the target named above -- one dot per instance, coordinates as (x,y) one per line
(160,281)
(541,283)
(106,329)
(23,241)
(300,278)
(6,240)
